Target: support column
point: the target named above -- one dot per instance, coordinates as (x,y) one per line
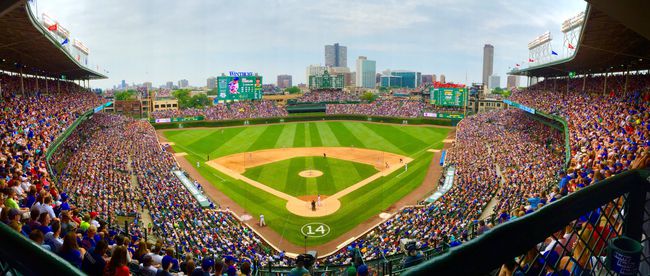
(46,88)
(605,84)
(37,88)
(22,85)
(58,84)
(627,74)
(568,81)
(584,82)
(554,84)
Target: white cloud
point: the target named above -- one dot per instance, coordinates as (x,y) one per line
(169,40)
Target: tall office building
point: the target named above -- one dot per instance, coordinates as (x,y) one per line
(336,55)
(488,62)
(170,85)
(147,85)
(313,70)
(284,81)
(123,85)
(494,82)
(513,81)
(366,73)
(183,83)
(427,79)
(442,78)
(211,83)
(410,79)
(434,78)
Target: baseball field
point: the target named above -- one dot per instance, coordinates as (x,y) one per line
(359,170)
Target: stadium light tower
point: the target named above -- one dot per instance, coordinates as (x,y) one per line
(539,49)
(571,29)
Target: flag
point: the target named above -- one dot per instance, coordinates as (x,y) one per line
(571,46)
(65,41)
(53,27)
(554,53)
(531,60)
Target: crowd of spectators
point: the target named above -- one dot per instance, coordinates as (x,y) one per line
(486,145)
(115,166)
(228,111)
(327,96)
(383,107)
(10,85)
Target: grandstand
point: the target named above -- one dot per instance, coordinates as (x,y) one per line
(556,184)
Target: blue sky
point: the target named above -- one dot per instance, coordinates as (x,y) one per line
(163,41)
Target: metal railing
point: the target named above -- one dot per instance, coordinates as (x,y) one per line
(580,234)
(21,256)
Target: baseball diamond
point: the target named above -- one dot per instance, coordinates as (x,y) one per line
(258,166)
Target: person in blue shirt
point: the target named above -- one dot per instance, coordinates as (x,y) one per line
(534,200)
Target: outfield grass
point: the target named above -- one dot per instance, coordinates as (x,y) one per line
(358,206)
(337,175)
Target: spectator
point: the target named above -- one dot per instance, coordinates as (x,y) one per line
(118,264)
(70,251)
(95,263)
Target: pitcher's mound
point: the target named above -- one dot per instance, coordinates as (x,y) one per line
(310,173)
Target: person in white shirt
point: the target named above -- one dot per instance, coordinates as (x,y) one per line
(46,207)
(262,223)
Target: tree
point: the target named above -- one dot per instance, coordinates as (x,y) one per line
(200,101)
(125,95)
(292,90)
(183,97)
(368,96)
(212,92)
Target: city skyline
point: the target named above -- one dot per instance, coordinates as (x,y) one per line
(196,50)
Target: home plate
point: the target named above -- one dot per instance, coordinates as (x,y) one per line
(246,217)
(384,215)
(433,150)
(180,154)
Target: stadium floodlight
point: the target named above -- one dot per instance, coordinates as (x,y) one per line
(540,40)
(573,22)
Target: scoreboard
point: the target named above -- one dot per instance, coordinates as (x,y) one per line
(238,88)
(448,96)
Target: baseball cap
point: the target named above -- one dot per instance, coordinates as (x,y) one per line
(230,258)
(362,270)
(207,263)
(166,261)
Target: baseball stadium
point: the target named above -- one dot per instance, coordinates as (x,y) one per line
(396,174)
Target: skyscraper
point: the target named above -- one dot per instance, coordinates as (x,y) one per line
(183,83)
(170,85)
(284,81)
(442,78)
(211,83)
(427,79)
(513,81)
(313,70)
(336,55)
(366,70)
(488,62)
(494,82)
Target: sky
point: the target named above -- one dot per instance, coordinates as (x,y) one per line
(163,40)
